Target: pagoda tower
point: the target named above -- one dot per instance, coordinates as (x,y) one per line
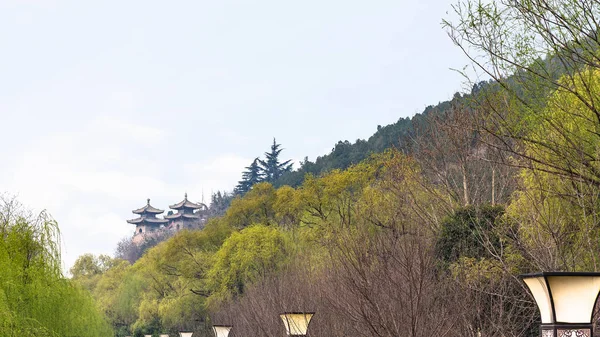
(189,215)
(147,222)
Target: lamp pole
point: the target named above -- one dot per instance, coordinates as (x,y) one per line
(296,323)
(566,301)
(222,330)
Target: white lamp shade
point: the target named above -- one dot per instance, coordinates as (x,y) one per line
(186,334)
(564,297)
(164,335)
(147,335)
(221,330)
(296,323)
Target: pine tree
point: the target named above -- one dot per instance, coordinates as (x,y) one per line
(271,167)
(251,176)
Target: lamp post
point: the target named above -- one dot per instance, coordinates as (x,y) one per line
(222,330)
(566,301)
(296,323)
(186,334)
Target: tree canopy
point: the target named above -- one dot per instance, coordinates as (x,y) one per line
(35,298)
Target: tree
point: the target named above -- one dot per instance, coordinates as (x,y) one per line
(245,256)
(254,207)
(468,233)
(90,265)
(554,212)
(131,251)
(361,257)
(219,202)
(544,112)
(271,167)
(534,49)
(454,155)
(253,175)
(88,269)
(35,298)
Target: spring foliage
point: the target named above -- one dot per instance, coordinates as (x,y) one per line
(399,245)
(35,298)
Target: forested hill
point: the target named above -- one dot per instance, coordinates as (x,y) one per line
(398,135)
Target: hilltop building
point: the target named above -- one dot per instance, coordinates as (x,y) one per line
(147,222)
(188,215)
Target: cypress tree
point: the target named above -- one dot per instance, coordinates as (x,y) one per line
(251,176)
(272,169)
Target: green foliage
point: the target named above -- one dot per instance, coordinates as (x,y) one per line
(288,207)
(255,207)
(271,167)
(35,299)
(246,256)
(164,290)
(88,269)
(362,195)
(469,233)
(253,175)
(557,207)
(344,154)
(268,170)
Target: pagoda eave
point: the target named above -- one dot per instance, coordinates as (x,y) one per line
(185,203)
(147,209)
(140,221)
(182,215)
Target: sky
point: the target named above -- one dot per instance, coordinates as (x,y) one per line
(104,104)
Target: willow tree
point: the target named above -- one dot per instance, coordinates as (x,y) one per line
(35,298)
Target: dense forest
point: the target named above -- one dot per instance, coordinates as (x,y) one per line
(421,230)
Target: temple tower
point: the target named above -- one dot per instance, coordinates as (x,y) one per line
(189,215)
(147,223)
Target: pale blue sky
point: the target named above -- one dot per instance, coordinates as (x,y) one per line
(106,103)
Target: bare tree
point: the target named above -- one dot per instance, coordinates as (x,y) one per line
(534,50)
(453,154)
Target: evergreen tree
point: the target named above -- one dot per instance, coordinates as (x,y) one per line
(219,203)
(252,175)
(271,167)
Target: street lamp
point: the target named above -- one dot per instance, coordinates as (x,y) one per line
(186,334)
(296,323)
(221,330)
(566,301)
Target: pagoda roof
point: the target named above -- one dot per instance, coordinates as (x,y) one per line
(182,215)
(185,203)
(147,209)
(148,220)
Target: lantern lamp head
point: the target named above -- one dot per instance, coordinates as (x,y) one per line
(186,334)
(296,323)
(566,301)
(222,330)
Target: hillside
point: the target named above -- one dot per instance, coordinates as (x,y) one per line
(398,135)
